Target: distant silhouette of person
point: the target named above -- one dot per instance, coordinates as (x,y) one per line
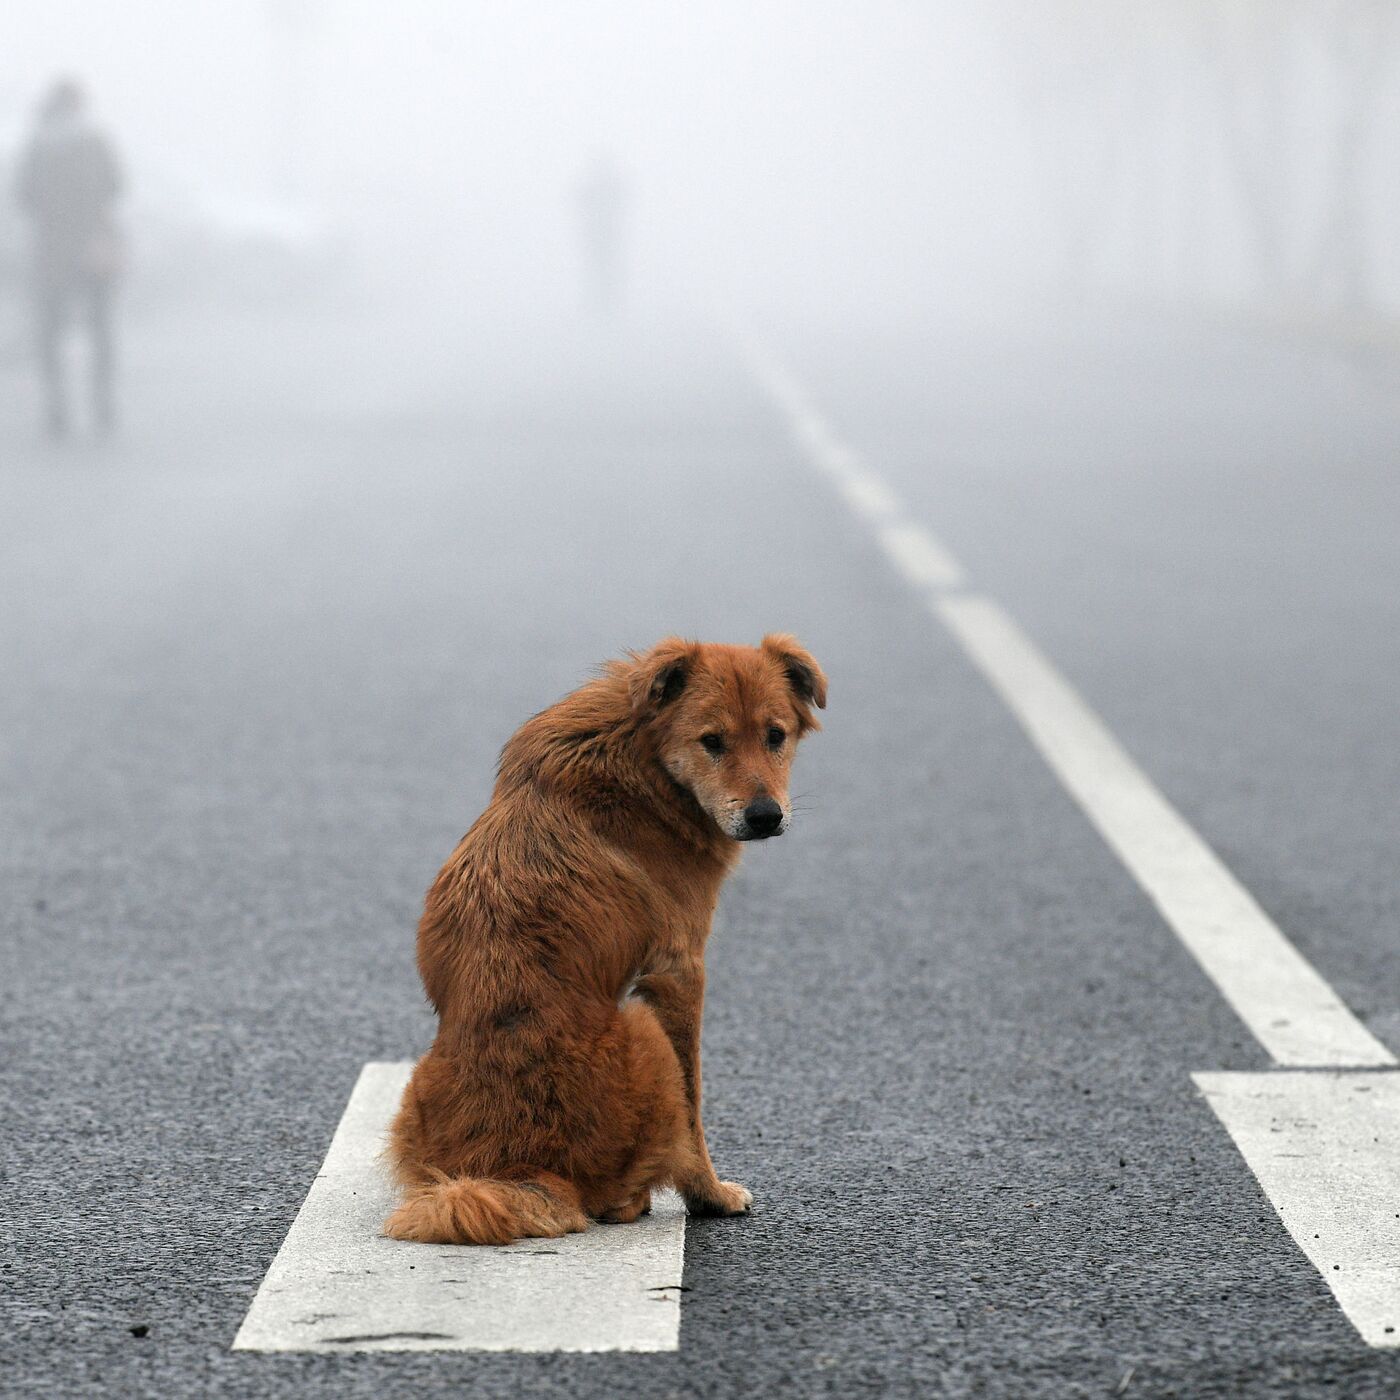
(69,180)
(602,200)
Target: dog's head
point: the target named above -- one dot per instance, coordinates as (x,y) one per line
(727,720)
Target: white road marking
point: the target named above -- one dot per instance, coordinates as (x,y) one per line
(1285,1003)
(867,495)
(1326,1150)
(338,1285)
(1324,1146)
(1291,1011)
(919,557)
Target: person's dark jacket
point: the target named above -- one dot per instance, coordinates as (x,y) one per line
(68,180)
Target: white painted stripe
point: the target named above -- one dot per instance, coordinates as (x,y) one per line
(868,495)
(1293,1013)
(775,378)
(780,383)
(920,558)
(1325,1146)
(816,435)
(865,492)
(338,1285)
(1326,1149)
(1285,1003)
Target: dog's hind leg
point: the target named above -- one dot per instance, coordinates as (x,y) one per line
(654,1090)
(628,1211)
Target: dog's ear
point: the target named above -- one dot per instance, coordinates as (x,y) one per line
(659,675)
(806,678)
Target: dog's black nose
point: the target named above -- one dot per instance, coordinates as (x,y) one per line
(763,816)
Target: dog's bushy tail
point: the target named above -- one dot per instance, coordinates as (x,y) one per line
(478,1210)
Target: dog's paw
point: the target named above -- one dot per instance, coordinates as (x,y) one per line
(724,1198)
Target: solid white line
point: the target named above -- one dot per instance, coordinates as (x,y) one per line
(1285,1003)
(1326,1150)
(920,558)
(338,1285)
(1324,1146)
(867,494)
(1292,1012)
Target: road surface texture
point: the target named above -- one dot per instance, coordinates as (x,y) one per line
(257,657)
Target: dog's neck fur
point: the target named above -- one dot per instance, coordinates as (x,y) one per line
(595,752)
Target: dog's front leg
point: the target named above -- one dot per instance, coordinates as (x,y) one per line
(677,996)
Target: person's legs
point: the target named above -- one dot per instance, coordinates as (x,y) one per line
(99,309)
(50,314)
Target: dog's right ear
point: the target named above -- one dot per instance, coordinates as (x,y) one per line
(659,675)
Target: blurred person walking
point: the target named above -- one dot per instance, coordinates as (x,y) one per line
(68,184)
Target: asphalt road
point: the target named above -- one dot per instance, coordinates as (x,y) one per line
(257,657)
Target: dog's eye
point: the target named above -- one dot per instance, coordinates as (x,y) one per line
(776,737)
(712,743)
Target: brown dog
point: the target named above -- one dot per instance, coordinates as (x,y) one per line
(563,947)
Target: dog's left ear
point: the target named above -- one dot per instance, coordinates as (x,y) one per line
(806,678)
(659,675)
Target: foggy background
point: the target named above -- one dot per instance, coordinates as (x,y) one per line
(813,159)
(795,155)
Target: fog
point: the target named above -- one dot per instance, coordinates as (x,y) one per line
(769,154)
(816,158)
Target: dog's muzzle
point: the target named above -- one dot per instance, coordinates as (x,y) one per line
(763,817)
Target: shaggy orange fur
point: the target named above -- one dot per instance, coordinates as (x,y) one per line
(563,947)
